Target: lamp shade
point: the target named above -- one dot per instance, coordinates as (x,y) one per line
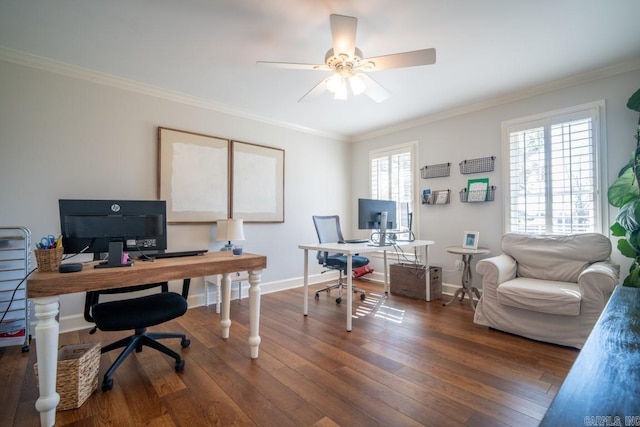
(230,229)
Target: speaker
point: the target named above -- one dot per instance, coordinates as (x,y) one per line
(70,268)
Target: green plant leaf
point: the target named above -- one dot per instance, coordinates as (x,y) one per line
(626,249)
(628,216)
(623,189)
(634,101)
(633,279)
(617,230)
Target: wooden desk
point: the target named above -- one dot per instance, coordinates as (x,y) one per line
(45,289)
(603,385)
(351,249)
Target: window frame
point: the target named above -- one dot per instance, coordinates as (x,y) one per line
(412,148)
(548,119)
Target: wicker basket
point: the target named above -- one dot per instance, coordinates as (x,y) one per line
(77,376)
(48,259)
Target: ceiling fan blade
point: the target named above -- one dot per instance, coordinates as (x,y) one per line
(315,92)
(291,65)
(343,33)
(401,60)
(374,90)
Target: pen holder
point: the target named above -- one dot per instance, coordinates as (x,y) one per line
(48,259)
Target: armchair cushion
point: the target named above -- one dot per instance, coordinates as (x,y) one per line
(545,296)
(559,258)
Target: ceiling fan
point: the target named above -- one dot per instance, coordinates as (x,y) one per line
(347,64)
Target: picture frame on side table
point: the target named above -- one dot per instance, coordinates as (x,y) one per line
(470,240)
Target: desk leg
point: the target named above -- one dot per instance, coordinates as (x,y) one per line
(349,291)
(254,313)
(305,298)
(225,321)
(386,274)
(47,330)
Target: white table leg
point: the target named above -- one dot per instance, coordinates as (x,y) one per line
(349,291)
(218,294)
(386,274)
(305,298)
(47,330)
(254,313)
(427,275)
(225,321)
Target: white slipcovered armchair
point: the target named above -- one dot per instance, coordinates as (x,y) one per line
(547,288)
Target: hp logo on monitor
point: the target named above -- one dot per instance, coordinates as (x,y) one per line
(115,207)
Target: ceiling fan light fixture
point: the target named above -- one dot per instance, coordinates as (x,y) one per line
(334,83)
(341,93)
(357,84)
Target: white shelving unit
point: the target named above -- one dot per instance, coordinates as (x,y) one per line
(15,260)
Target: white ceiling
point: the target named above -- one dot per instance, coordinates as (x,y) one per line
(208,49)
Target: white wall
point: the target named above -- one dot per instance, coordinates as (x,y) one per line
(62,137)
(478,134)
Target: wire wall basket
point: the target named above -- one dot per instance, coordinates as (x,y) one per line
(483,164)
(438,197)
(487,195)
(435,171)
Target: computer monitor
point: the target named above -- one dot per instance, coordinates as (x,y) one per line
(374,214)
(94,226)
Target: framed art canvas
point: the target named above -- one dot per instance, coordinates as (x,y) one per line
(470,240)
(193,176)
(257,182)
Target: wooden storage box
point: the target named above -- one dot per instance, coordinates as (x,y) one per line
(410,280)
(77,375)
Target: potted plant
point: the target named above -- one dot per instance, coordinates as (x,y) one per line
(624,193)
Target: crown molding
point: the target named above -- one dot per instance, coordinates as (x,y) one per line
(72,71)
(612,70)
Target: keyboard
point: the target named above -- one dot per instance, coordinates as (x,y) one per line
(177,254)
(357,241)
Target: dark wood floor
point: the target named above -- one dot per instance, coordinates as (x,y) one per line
(406,362)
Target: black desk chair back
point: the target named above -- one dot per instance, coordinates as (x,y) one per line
(329,231)
(137,314)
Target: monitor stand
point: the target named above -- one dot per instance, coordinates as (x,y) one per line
(383,230)
(115,257)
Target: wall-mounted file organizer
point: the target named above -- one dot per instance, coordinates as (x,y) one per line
(15,254)
(435,171)
(487,195)
(437,197)
(482,164)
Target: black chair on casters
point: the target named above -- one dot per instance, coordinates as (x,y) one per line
(137,314)
(329,231)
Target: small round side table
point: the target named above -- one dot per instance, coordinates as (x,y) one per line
(467,286)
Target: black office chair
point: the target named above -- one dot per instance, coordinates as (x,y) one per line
(328,230)
(137,314)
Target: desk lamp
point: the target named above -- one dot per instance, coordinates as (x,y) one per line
(228,230)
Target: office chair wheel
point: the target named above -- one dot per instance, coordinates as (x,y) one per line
(362,296)
(107,384)
(185,342)
(180,365)
(338,300)
(317,295)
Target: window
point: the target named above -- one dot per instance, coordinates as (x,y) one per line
(392,178)
(552,172)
